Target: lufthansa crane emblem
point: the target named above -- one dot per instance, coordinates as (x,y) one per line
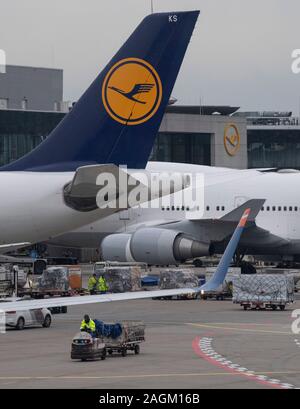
(132,91)
(232,139)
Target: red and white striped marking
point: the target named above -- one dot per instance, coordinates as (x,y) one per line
(203,348)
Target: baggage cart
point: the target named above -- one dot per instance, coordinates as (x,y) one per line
(111,338)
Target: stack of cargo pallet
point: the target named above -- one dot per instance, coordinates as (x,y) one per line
(263,290)
(170,279)
(123,279)
(54,278)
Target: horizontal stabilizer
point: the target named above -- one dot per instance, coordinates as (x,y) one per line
(81,193)
(235,215)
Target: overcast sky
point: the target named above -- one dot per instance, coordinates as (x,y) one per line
(240,52)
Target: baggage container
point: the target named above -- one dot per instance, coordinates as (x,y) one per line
(263,291)
(178,278)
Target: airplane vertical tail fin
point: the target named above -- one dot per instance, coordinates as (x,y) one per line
(117,119)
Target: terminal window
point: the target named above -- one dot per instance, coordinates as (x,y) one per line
(22,131)
(274,148)
(182,148)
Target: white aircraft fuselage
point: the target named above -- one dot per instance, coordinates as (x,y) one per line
(32,207)
(224,191)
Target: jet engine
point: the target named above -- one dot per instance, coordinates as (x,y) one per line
(153,246)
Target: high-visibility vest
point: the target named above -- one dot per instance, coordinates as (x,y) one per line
(92,283)
(102,286)
(90,325)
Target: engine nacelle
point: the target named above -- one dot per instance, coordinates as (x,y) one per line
(153,246)
(116,247)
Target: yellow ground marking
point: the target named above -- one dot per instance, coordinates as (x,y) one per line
(209,326)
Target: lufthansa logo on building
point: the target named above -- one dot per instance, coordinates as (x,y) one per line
(232,139)
(132,91)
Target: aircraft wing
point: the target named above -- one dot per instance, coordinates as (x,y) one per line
(20,305)
(235,215)
(218,278)
(219,229)
(211,285)
(5,248)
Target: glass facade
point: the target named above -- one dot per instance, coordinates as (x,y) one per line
(274,148)
(21,131)
(182,148)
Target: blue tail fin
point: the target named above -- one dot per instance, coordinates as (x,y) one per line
(118,117)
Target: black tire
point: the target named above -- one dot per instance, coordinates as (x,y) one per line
(20,324)
(124,352)
(47,321)
(198,262)
(274,307)
(245,307)
(83,359)
(137,349)
(110,352)
(282,307)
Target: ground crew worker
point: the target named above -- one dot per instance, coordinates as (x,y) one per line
(88,325)
(102,285)
(92,284)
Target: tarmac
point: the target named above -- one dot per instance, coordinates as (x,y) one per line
(189,344)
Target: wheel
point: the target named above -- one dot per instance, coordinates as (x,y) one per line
(198,262)
(103,356)
(282,307)
(110,352)
(20,324)
(245,307)
(274,307)
(136,349)
(124,352)
(47,321)
(83,359)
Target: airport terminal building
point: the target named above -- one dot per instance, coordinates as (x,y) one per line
(31,105)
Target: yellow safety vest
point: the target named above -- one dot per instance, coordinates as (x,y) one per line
(90,325)
(102,286)
(92,283)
